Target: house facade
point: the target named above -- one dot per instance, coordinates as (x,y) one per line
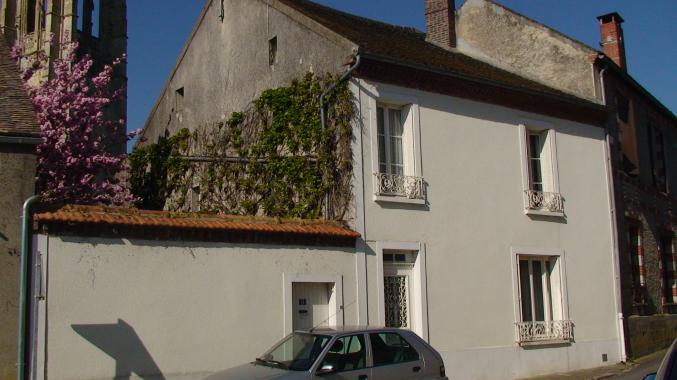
(642,138)
(482,200)
(18,139)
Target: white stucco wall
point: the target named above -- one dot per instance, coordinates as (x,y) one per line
(471,162)
(185,309)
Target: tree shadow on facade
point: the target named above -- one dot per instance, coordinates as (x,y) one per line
(121,342)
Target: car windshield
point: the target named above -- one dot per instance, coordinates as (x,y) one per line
(297,352)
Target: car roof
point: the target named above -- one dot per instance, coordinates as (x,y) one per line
(339,330)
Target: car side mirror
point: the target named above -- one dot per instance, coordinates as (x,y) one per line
(326,369)
(651,376)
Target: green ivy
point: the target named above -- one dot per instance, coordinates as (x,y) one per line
(272,159)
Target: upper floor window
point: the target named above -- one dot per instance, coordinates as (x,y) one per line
(541,185)
(622,108)
(396,152)
(390,133)
(657,158)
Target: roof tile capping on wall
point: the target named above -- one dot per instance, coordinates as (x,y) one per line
(164,225)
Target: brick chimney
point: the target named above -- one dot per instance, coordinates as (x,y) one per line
(440,22)
(613,42)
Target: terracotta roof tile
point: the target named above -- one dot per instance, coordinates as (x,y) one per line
(17,117)
(97,215)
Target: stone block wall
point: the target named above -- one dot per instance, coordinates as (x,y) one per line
(650,333)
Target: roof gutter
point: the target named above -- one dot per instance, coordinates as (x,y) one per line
(323,111)
(22,140)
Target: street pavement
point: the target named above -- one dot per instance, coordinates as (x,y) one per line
(634,370)
(641,369)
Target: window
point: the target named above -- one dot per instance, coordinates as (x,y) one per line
(390,130)
(348,353)
(31,16)
(622,108)
(668,264)
(272,51)
(391,348)
(657,158)
(541,185)
(178,100)
(297,352)
(634,241)
(535,143)
(396,152)
(540,310)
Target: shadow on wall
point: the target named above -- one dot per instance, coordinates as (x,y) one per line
(121,342)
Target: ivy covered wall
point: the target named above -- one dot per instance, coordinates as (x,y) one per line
(274,158)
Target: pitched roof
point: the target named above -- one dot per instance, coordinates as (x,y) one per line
(408,45)
(79,218)
(17,116)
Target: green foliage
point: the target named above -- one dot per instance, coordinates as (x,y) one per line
(155,170)
(272,159)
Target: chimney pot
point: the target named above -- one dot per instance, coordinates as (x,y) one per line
(440,22)
(611,37)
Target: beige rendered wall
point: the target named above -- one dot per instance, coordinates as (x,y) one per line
(495,34)
(470,158)
(226,64)
(17,182)
(116,307)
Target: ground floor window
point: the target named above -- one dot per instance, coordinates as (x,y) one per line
(668,269)
(397,287)
(636,250)
(541,313)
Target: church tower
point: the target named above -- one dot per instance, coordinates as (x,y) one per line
(99,26)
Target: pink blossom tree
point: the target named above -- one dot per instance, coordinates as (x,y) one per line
(75,161)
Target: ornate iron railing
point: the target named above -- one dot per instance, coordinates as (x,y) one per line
(399,185)
(545,331)
(544,201)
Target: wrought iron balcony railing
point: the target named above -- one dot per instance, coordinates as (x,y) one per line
(544,332)
(544,201)
(399,185)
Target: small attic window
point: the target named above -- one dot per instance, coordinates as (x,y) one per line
(272,51)
(178,100)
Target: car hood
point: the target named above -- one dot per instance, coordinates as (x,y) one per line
(252,371)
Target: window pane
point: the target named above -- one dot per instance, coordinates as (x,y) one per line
(538,290)
(298,351)
(535,178)
(348,353)
(381,140)
(391,348)
(525,290)
(395,121)
(534,145)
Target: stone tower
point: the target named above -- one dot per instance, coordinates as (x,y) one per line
(105,38)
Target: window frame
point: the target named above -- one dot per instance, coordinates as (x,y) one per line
(549,171)
(558,279)
(384,95)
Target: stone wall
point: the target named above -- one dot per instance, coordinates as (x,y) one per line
(17,172)
(650,334)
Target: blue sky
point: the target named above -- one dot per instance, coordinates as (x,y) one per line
(158,29)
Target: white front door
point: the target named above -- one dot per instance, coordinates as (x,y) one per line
(310,304)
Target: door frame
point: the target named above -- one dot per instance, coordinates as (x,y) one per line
(418,286)
(335,301)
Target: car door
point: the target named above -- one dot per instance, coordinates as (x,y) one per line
(347,357)
(394,358)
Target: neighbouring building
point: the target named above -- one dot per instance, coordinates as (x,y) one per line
(642,137)
(99,27)
(19,136)
(481,198)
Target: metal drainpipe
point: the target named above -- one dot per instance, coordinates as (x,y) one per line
(614,229)
(23,287)
(323,117)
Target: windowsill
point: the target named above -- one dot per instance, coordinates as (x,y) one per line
(554,214)
(545,343)
(398,199)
